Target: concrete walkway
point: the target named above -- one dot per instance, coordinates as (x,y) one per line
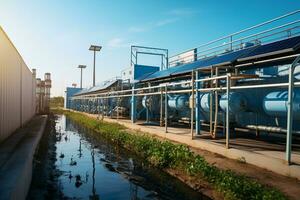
(16,157)
(270,160)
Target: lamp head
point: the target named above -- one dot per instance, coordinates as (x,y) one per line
(95,48)
(82,66)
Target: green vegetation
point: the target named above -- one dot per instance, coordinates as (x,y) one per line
(56,102)
(164,154)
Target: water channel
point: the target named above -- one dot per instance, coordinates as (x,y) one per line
(93,168)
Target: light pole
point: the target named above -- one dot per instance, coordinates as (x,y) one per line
(81,67)
(94,48)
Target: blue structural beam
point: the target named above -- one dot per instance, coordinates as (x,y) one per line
(198,105)
(133,105)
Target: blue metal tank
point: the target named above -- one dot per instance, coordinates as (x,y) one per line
(237,102)
(178,102)
(205,102)
(275,104)
(152,103)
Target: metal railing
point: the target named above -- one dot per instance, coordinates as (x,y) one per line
(283,27)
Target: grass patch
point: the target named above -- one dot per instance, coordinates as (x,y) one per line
(164,154)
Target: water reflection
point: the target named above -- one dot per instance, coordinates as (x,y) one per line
(115,173)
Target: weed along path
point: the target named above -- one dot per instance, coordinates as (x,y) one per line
(181,162)
(88,165)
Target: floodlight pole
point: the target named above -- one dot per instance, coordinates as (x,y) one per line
(94,48)
(80,78)
(94,78)
(81,67)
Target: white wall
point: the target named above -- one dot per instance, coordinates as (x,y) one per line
(17,89)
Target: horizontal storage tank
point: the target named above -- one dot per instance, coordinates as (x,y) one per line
(204,101)
(178,102)
(275,104)
(152,103)
(237,102)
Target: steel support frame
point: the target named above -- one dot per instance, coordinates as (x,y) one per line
(118,99)
(166,109)
(135,50)
(133,105)
(193,105)
(102,109)
(99,108)
(228,83)
(211,104)
(197,108)
(290,105)
(215,131)
(161,107)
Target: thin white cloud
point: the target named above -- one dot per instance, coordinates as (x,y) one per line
(181,12)
(153,25)
(117,43)
(136,29)
(173,16)
(166,22)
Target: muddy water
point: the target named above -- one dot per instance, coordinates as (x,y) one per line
(93,168)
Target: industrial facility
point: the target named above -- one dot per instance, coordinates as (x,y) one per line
(218,120)
(246,80)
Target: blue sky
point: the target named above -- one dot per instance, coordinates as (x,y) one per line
(54,36)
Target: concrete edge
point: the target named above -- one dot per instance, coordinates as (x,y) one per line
(17,171)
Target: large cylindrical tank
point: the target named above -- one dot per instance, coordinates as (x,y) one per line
(152,103)
(125,102)
(178,102)
(204,101)
(112,102)
(237,102)
(275,104)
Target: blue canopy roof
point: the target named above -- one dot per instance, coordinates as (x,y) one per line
(253,52)
(223,59)
(163,73)
(283,46)
(102,86)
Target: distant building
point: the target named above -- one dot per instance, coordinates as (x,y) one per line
(70,91)
(42,93)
